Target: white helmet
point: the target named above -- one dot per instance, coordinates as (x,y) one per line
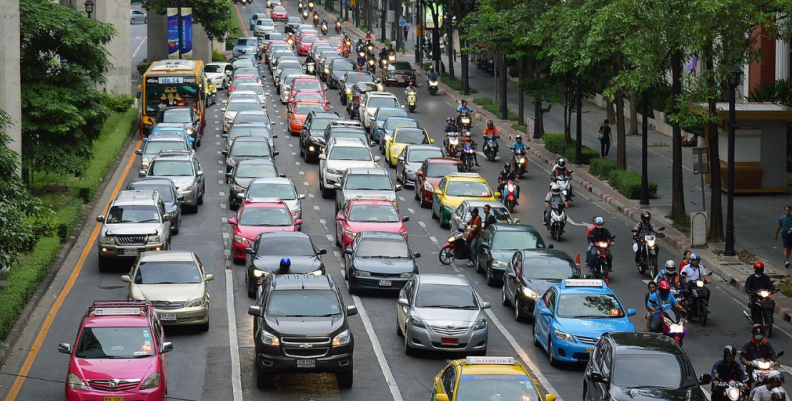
(670,264)
(555,188)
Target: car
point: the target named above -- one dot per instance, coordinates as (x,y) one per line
(398,72)
(443,313)
(184,169)
(263,26)
(120,352)
(401,138)
(345,129)
(255,17)
(292,23)
(357,93)
(232,108)
(242,95)
(136,221)
(220,73)
(275,48)
(273,3)
(245,45)
(152,146)
(378,120)
(390,124)
(300,84)
(304,43)
(284,80)
(462,213)
(337,69)
(242,79)
(248,147)
(210,92)
(170,195)
(364,214)
(257,216)
(572,315)
(287,63)
(239,130)
(327,57)
(366,183)
(137,17)
(276,187)
(174,282)
(243,174)
(410,160)
(279,13)
(245,71)
(171,131)
(257,89)
(530,273)
(351,79)
(428,176)
(373,101)
(455,188)
(339,155)
(257,117)
(306,96)
(312,141)
(379,261)
(486,378)
(300,112)
(264,255)
(181,116)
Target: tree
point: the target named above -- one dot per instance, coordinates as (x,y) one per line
(213,15)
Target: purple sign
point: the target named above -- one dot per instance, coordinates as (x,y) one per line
(186,33)
(173,33)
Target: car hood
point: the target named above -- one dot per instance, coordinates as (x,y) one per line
(250,232)
(306,326)
(132,229)
(539,286)
(345,164)
(414,166)
(169,292)
(213,75)
(107,369)
(395,227)
(368,194)
(593,327)
(654,394)
(243,182)
(299,264)
(181,181)
(447,317)
(385,265)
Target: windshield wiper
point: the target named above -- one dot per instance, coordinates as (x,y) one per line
(148,221)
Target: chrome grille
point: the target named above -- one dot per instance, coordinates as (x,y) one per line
(305,340)
(167,304)
(130,239)
(306,352)
(449,330)
(587,340)
(114,384)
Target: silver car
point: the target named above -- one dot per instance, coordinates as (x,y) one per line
(276,187)
(155,144)
(410,160)
(137,17)
(442,312)
(365,183)
(183,168)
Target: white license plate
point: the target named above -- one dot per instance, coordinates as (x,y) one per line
(401,80)
(306,363)
(130,251)
(167,316)
(385,283)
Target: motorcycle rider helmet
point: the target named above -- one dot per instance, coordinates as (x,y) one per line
(411,84)
(467,134)
(664,288)
(757,265)
(757,331)
(555,188)
(449,119)
(776,377)
(285,265)
(490,124)
(695,256)
(778,393)
(646,217)
(729,351)
(431,68)
(518,138)
(507,165)
(599,221)
(670,264)
(561,163)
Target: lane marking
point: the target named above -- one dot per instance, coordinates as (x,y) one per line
(233,344)
(411,211)
(139,46)
(386,371)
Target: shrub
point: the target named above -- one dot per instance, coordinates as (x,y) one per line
(120,103)
(67,217)
(455,84)
(628,183)
(426,66)
(218,57)
(483,101)
(106,149)
(143,66)
(557,144)
(554,142)
(602,167)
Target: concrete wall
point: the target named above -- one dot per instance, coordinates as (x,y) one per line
(116,13)
(10,95)
(158,40)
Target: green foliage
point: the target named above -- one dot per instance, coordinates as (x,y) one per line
(628,183)
(213,15)
(556,143)
(602,167)
(143,66)
(67,217)
(483,101)
(426,66)
(779,91)
(217,57)
(455,84)
(120,103)
(23,281)
(235,29)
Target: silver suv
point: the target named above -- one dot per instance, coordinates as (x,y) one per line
(341,154)
(183,168)
(136,221)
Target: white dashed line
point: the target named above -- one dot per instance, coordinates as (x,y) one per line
(323,222)
(219,162)
(222,193)
(222,206)
(421,223)
(433,239)
(306,183)
(302,172)
(330,238)
(401,198)
(294,153)
(220,172)
(316,208)
(411,211)
(297,163)
(311,196)
(220,181)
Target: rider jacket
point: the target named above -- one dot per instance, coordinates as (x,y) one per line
(518,146)
(560,172)
(757,350)
(488,132)
(754,284)
(451,128)
(723,371)
(462,109)
(383,54)
(599,234)
(507,176)
(432,74)
(644,229)
(555,199)
(675,280)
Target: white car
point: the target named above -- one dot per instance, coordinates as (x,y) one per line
(219,74)
(263,26)
(137,16)
(232,108)
(341,154)
(258,90)
(287,86)
(243,95)
(372,102)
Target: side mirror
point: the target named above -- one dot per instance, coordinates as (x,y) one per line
(125,278)
(224,152)
(275,153)
(497,194)
(372,143)
(229,175)
(138,151)
(254,310)
(64,348)
(298,222)
(224,135)
(511,275)
(166,347)
(545,312)
(275,136)
(100,218)
(705,379)
(399,187)
(377,158)
(322,157)
(322,252)
(661,229)
(348,251)
(404,302)
(223,109)
(301,196)
(631,312)
(232,221)
(351,310)
(337,185)
(406,218)
(199,173)
(431,141)
(225,101)
(419,173)
(209,277)
(438,192)
(417,255)
(486,305)
(400,158)
(597,377)
(249,251)
(550,397)
(780,354)
(549,246)
(241,195)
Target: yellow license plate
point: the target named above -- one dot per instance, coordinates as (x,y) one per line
(114,399)
(588,350)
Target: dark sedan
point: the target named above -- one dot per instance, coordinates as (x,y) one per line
(246,171)
(312,134)
(378,260)
(351,79)
(248,147)
(263,257)
(497,245)
(398,72)
(338,68)
(529,274)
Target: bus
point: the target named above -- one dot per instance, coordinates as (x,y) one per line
(169,83)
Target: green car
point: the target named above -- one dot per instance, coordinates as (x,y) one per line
(497,245)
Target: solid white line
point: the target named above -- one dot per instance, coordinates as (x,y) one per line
(236,378)
(394,388)
(139,46)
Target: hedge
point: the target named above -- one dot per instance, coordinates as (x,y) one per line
(24,279)
(628,183)
(557,144)
(66,218)
(106,150)
(602,167)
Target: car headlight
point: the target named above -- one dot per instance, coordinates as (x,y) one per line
(190,131)
(416,321)
(481,324)
(153,239)
(107,239)
(144,165)
(342,339)
(361,273)
(152,381)
(174,213)
(408,171)
(186,189)
(407,275)
(296,121)
(241,239)
(268,338)
(259,273)
(564,336)
(76,383)
(349,91)
(395,149)
(499,264)
(237,188)
(231,162)
(332,171)
(194,302)
(350,234)
(529,293)
(427,186)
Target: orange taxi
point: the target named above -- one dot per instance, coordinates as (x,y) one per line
(300,111)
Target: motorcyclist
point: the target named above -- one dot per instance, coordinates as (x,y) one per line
(660,301)
(778,393)
(325,23)
(285,266)
(369,36)
(506,175)
(467,139)
(360,46)
(410,89)
(757,347)
(383,55)
(560,170)
(670,275)
(391,50)
(652,286)
(316,16)
(726,370)
(554,197)
(432,74)
(463,108)
(598,234)
(645,227)
(755,283)
(695,271)
(518,147)
(450,125)
(310,58)
(491,130)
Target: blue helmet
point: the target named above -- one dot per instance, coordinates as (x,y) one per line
(285,264)
(599,221)
(694,256)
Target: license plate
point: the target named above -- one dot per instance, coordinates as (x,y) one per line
(167,316)
(306,363)
(114,399)
(385,283)
(130,251)
(588,350)
(450,341)
(401,80)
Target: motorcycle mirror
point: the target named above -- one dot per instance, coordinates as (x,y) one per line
(705,379)
(661,229)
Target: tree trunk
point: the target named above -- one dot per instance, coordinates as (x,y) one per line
(609,114)
(521,98)
(677,184)
(633,116)
(621,134)
(716,209)
(538,120)
(450,46)
(504,105)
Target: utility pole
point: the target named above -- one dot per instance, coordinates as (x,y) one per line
(645,149)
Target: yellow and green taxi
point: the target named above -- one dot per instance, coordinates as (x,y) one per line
(211,92)
(403,137)
(485,378)
(454,189)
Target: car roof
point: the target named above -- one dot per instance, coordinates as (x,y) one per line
(444,279)
(271,180)
(515,227)
(251,139)
(165,137)
(301,282)
(515,369)
(365,171)
(369,202)
(583,286)
(136,197)
(442,160)
(465,177)
(388,108)
(167,256)
(627,342)
(381,234)
(546,253)
(244,92)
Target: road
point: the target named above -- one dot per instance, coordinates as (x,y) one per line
(202,367)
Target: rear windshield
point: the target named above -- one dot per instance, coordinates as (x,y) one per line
(171,168)
(442,169)
(367,182)
(399,65)
(168,273)
(133,214)
(154,147)
(213,68)
(378,102)
(382,249)
(165,191)
(256,170)
(321,123)
(418,156)
(280,191)
(176,116)
(243,106)
(350,153)
(411,137)
(247,42)
(251,149)
(310,86)
(303,303)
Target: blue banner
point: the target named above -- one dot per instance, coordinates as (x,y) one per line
(186,33)
(173,33)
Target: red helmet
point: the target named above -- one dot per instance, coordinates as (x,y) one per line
(758,265)
(664,285)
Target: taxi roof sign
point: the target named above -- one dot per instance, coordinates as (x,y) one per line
(372,197)
(599,283)
(490,360)
(471,175)
(117,311)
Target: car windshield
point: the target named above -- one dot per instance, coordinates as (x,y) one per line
(309,86)
(244,80)
(350,153)
(385,113)
(255,88)
(265,216)
(303,303)
(133,214)
(436,170)
(238,131)
(471,189)
(399,65)
(171,168)
(313,97)
(514,240)
(382,101)
(500,213)
(165,191)
(176,116)
(259,117)
(290,64)
(243,62)
(279,9)
(445,296)
(548,268)
(366,181)
(167,273)
(411,137)
(652,371)
(307,108)
(275,36)
(383,248)
(213,68)
(591,306)
(373,214)
(321,123)
(418,156)
(256,170)
(154,147)
(243,106)
(114,343)
(251,149)
(291,246)
(343,66)
(496,387)
(247,42)
(348,134)
(393,123)
(280,191)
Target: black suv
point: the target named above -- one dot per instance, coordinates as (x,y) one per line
(312,134)
(625,366)
(300,326)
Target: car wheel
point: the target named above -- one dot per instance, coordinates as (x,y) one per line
(491,281)
(407,349)
(132,21)
(346,377)
(399,329)
(327,193)
(504,297)
(434,216)
(104,264)
(251,289)
(263,379)
(200,198)
(551,352)
(415,193)
(519,315)
(535,336)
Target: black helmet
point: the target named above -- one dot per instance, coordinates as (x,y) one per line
(507,165)
(757,329)
(490,123)
(646,216)
(778,393)
(729,351)
(561,162)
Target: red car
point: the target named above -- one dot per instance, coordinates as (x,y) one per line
(120,354)
(304,43)
(301,110)
(358,215)
(257,216)
(429,175)
(242,79)
(306,96)
(279,13)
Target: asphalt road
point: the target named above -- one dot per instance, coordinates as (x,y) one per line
(202,368)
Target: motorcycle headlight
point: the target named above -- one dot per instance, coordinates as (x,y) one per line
(481,324)
(427,186)
(327,70)
(342,339)
(153,239)
(733,393)
(564,336)
(522,160)
(76,383)
(194,302)
(529,293)
(454,141)
(764,293)
(152,381)
(499,264)
(311,148)
(650,243)
(268,338)
(259,273)
(190,131)
(699,283)
(349,91)
(241,239)
(186,189)
(416,321)
(350,234)
(676,328)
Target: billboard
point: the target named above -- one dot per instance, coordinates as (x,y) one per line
(186,33)
(173,32)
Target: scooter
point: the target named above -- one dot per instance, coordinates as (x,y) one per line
(452,144)
(361,60)
(733,390)
(311,5)
(520,162)
(565,184)
(649,252)
(674,325)
(465,121)
(383,63)
(468,161)
(491,147)
(316,19)
(558,220)
(310,68)
(412,100)
(767,305)
(698,301)
(338,28)
(372,66)
(324,28)
(433,86)
(761,370)
(509,196)
(305,14)
(602,259)
(456,246)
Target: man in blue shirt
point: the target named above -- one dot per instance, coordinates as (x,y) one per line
(785,227)
(463,108)
(660,301)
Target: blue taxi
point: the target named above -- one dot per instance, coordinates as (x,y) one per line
(572,315)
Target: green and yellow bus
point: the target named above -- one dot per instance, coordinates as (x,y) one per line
(169,83)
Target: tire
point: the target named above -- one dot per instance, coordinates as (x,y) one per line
(409,351)
(345,378)
(652,266)
(556,232)
(201,198)
(434,216)
(132,21)
(251,290)
(479,269)
(551,352)
(518,314)
(536,342)
(105,264)
(145,20)
(263,379)
(399,330)
(504,299)
(702,314)
(510,206)
(415,193)
(768,325)
(446,255)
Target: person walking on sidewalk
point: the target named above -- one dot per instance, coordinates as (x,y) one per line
(785,226)
(605,138)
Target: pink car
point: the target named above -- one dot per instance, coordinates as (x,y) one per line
(120,354)
(255,218)
(304,43)
(279,13)
(360,215)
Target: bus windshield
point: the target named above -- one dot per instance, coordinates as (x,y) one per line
(160,96)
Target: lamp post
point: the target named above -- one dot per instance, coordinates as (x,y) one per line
(71,6)
(89,7)
(734,79)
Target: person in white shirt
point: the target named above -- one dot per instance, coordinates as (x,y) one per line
(695,271)
(772,390)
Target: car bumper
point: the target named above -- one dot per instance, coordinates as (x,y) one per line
(497,273)
(408,178)
(406,81)
(374,281)
(426,196)
(427,339)
(118,252)
(238,250)
(313,150)
(302,51)
(155,394)
(295,127)
(284,364)
(190,198)
(331,179)
(445,214)
(332,83)
(218,82)
(571,352)
(184,316)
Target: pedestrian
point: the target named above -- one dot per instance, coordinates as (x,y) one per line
(475,230)
(605,138)
(785,226)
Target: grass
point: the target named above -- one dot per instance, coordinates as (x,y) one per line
(455,84)
(683,224)
(236,28)
(519,128)
(488,103)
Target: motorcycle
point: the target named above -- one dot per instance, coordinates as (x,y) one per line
(456,246)
(558,220)
(372,66)
(602,260)
(465,121)
(761,370)
(383,63)
(433,86)
(734,390)
(509,196)
(338,28)
(311,5)
(370,47)
(767,305)
(361,60)
(300,5)
(305,14)
(649,252)
(316,19)
(391,57)
(491,147)
(698,301)
(452,144)
(412,100)
(470,153)
(520,162)
(324,28)
(565,184)
(674,325)
(310,68)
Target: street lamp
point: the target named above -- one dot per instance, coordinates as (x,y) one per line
(89,7)
(734,79)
